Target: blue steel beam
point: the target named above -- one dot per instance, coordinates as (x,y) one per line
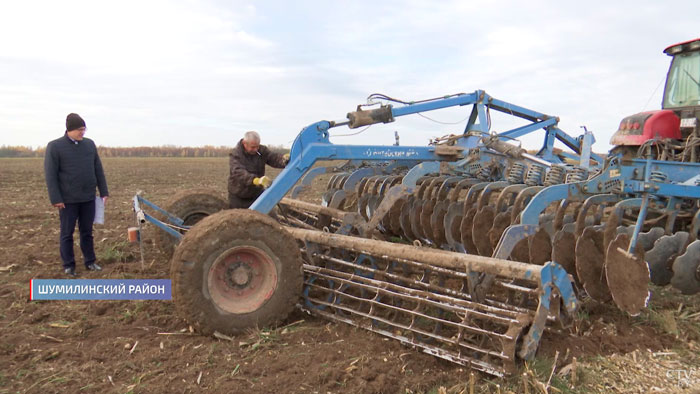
(625,175)
(174,233)
(171,218)
(472,120)
(482,101)
(313,143)
(516,110)
(462,99)
(548,145)
(483,118)
(137,200)
(527,129)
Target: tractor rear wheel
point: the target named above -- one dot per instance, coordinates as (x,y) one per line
(191,206)
(236,270)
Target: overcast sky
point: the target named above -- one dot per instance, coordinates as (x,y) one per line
(195,73)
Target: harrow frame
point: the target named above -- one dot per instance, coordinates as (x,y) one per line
(548,291)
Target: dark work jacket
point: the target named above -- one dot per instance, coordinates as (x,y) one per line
(244,167)
(73,171)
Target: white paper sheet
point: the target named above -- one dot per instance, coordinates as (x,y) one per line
(99,210)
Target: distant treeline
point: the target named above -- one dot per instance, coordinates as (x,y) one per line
(137,151)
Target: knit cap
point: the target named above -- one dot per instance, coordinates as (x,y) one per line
(74,121)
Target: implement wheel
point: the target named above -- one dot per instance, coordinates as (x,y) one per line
(236,270)
(191,206)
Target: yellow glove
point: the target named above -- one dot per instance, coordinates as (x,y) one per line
(262,181)
(286,158)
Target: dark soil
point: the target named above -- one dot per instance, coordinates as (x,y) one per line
(144,347)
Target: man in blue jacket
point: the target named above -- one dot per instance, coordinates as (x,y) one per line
(73,170)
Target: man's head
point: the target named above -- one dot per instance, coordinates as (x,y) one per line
(251,142)
(75,126)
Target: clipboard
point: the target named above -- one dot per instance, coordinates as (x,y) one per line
(99,210)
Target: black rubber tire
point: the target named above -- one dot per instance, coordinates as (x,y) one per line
(213,237)
(190,206)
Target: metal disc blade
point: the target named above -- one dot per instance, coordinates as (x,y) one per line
(540,247)
(362,205)
(338,200)
(686,276)
(372,204)
(466,230)
(660,258)
(625,230)
(326,197)
(521,251)
(453,221)
(500,224)
(646,240)
(483,221)
(627,275)
(589,264)
(425,214)
(546,222)
(437,222)
(395,216)
(569,228)
(405,221)
(563,246)
(414,218)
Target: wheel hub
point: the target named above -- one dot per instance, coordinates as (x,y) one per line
(239,275)
(242,279)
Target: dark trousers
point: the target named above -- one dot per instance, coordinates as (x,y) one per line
(84,213)
(237,202)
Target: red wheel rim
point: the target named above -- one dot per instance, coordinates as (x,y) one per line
(242,279)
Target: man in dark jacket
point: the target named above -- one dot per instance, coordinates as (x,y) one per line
(73,170)
(247,178)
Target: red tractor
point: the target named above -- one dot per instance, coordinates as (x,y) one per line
(673,129)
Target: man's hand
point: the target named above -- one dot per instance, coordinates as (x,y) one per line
(104,200)
(59,205)
(262,181)
(286,158)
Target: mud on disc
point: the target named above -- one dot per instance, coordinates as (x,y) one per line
(590,259)
(483,221)
(563,244)
(627,275)
(540,247)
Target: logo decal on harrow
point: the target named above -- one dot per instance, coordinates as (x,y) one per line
(390,153)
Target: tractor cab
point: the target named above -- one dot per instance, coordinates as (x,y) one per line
(675,127)
(682,90)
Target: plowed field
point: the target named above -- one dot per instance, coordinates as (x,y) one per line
(144,347)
